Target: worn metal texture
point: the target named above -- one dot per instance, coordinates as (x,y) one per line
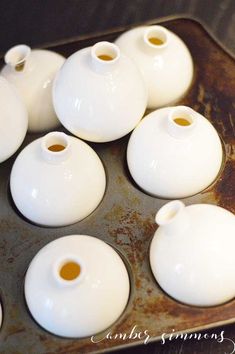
(124,219)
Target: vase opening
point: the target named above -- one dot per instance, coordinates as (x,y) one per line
(70,270)
(56,147)
(56,142)
(182,121)
(105,57)
(105,52)
(182,117)
(156,37)
(16,57)
(168,212)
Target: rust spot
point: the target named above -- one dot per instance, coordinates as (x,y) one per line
(116,212)
(149,291)
(3,248)
(120,180)
(224,190)
(134,234)
(116,149)
(138,283)
(14,329)
(42,337)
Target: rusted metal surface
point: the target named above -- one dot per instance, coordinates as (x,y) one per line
(124,219)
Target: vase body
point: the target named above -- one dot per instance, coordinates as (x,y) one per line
(57,180)
(33,81)
(191,254)
(164,61)
(81,303)
(171,160)
(13,120)
(99,99)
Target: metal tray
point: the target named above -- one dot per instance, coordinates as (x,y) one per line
(124,219)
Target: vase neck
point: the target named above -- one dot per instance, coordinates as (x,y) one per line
(104,56)
(172,217)
(156,39)
(17,57)
(181,122)
(55,147)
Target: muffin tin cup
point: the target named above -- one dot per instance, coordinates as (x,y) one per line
(125,219)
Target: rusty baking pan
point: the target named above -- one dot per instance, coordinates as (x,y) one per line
(125,219)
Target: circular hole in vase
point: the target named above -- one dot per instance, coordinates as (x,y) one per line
(168,212)
(105,51)
(182,117)
(56,147)
(17,56)
(70,270)
(182,121)
(156,37)
(56,142)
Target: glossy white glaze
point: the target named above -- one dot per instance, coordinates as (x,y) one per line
(192,253)
(13,120)
(86,305)
(173,161)
(57,188)
(99,100)
(0,315)
(32,73)
(167,68)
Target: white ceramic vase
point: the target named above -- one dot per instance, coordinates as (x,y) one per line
(32,73)
(13,120)
(99,94)
(174,152)
(82,289)
(192,253)
(164,60)
(57,180)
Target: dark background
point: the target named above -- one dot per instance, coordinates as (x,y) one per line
(38,23)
